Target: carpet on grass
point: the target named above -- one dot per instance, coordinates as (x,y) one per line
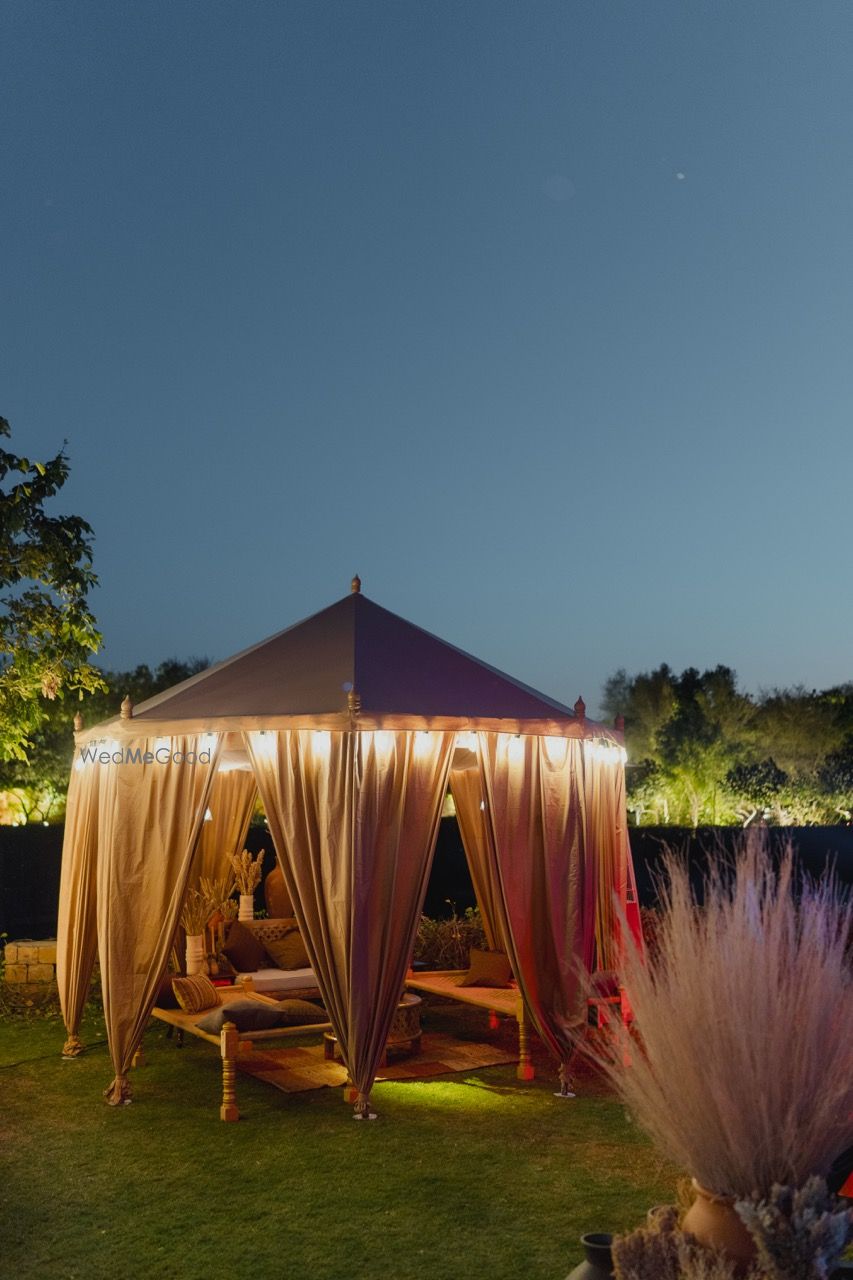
(297,1070)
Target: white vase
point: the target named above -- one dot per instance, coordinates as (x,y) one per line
(247,907)
(195,953)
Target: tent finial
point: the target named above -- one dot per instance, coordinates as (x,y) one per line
(580,709)
(355,585)
(353,702)
(126,707)
(78,722)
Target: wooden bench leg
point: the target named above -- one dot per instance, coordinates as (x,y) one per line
(524,1070)
(229,1045)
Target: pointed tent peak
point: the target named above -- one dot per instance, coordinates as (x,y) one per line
(580,708)
(396,671)
(78,723)
(355,585)
(126,707)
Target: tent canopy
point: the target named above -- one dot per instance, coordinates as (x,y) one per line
(352,656)
(352,724)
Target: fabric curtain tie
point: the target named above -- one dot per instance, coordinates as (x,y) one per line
(362,1109)
(73,1047)
(119,1093)
(566,1081)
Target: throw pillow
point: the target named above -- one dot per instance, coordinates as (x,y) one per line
(195,993)
(487,969)
(289,952)
(247,1015)
(244,950)
(301,1013)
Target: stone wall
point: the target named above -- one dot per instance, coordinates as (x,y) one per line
(31,963)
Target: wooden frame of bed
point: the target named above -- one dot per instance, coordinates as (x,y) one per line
(503,1000)
(230,1040)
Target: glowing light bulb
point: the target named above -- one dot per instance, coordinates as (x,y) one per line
(423,744)
(466,741)
(321,743)
(515,749)
(383,741)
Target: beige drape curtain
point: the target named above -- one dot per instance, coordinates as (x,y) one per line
(467,789)
(354,817)
(540,869)
(232,799)
(77,926)
(150,816)
(608,838)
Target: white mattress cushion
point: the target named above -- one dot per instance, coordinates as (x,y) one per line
(268,980)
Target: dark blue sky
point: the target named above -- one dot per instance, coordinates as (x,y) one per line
(540,316)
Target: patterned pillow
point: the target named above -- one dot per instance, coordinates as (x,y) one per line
(195,993)
(288,952)
(300,1013)
(487,969)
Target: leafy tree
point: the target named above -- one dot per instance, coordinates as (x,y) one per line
(756,788)
(46,628)
(647,701)
(836,778)
(38,785)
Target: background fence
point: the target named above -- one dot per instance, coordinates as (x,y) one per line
(30,860)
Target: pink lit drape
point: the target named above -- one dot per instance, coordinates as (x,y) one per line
(541,868)
(354,816)
(77,925)
(150,818)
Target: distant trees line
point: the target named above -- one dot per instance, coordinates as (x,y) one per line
(702,752)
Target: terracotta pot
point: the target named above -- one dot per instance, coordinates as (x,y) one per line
(715,1221)
(598,1264)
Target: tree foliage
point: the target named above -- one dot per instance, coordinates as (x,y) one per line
(35,788)
(47,630)
(701,751)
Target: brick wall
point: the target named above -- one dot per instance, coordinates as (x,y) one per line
(31,963)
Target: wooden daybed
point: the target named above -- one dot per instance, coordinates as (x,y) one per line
(503,1000)
(230,1040)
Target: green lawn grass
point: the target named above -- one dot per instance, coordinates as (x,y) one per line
(477,1176)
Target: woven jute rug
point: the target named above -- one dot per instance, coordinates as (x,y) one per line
(297,1070)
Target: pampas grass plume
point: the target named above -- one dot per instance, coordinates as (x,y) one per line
(740,1065)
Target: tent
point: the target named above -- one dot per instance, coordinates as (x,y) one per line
(352,725)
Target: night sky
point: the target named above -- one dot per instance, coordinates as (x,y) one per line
(539,316)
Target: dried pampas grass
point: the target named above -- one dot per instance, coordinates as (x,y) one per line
(741,1072)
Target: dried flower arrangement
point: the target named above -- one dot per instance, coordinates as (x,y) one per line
(799,1235)
(218,893)
(740,1070)
(196,912)
(247,870)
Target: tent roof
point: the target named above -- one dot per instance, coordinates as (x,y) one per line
(403,676)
